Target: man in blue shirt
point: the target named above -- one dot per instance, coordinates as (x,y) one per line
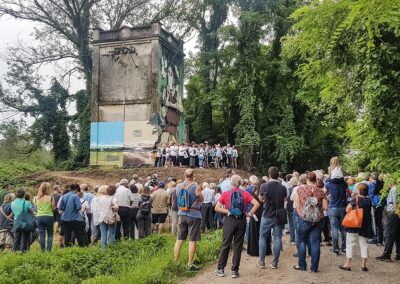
(226,184)
(189,219)
(71,218)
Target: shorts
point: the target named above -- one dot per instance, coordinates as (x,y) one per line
(6,238)
(159,218)
(188,226)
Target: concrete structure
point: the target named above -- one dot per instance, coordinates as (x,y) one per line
(136,94)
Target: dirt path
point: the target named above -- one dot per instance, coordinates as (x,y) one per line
(379,272)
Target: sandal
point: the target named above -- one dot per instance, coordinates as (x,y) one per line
(344,268)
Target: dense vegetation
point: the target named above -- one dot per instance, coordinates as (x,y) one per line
(291,82)
(149,260)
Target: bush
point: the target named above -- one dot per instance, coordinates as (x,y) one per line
(141,261)
(14,172)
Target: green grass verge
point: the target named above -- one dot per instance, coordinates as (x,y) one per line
(142,261)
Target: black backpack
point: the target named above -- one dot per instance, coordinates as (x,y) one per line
(145,206)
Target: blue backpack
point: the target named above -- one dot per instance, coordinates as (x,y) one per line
(236,204)
(184,202)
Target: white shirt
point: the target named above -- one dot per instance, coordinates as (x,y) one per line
(174,151)
(193,151)
(391,199)
(124,196)
(182,150)
(96,209)
(106,202)
(229,151)
(136,198)
(234,153)
(208,195)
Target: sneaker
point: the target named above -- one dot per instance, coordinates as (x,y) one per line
(292,243)
(335,252)
(384,258)
(219,272)
(261,265)
(343,251)
(273,266)
(296,255)
(235,274)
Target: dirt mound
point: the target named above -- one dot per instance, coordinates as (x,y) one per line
(110,176)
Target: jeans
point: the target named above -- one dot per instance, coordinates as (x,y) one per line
(144,225)
(125,223)
(45,223)
(308,234)
(107,234)
(265,229)
(234,229)
(291,226)
(336,216)
(201,162)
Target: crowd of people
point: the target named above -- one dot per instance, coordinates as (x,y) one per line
(195,155)
(310,207)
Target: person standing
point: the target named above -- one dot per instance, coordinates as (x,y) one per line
(70,205)
(207,207)
(189,216)
(392,228)
(108,216)
(310,203)
(273,194)
(229,155)
(226,184)
(144,214)
(134,210)
(235,156)
(124,198)
(96,210)
(6,223)
(362,234)
(336,190)
(19,206)
(161,200)
(174,208)
(235,203)
(3,192)
(88,197)
(45,204)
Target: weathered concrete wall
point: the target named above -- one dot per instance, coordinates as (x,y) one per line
(136,95)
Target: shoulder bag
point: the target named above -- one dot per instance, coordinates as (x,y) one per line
(354,218)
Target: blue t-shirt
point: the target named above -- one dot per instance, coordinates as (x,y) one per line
(336,192)
(195,211)
(226,185)
(88,196)
(70,204)
(18,207)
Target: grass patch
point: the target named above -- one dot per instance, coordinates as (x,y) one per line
(15,173)
(141,261)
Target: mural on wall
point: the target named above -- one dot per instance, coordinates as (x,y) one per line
(171,93)
(139,104)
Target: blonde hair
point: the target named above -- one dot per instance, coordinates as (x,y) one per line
(172,184)
(334,163)
(44,189)
(8,198)
(102,190)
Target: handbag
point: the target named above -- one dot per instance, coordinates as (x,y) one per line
(354,218)
(26,222)
(112,216)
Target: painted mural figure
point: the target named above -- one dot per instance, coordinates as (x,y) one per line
(171,104)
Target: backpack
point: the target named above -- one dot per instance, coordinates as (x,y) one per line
(184,202)
(145,207)
(312,209)
(236,204)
